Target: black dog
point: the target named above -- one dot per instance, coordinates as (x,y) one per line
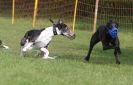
(107,34)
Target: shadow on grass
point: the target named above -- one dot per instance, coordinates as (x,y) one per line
(97,57)
(127,56)
(102,57)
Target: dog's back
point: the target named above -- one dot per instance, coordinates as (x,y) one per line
(101,31)
(31,36)
(101,28)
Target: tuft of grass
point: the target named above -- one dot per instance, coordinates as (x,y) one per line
(68,68)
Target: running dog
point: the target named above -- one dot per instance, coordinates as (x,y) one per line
(40,39)
(108,35)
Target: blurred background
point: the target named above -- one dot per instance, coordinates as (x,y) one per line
(118,10)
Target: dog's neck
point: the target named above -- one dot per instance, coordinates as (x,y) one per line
(56,31)
(52,31)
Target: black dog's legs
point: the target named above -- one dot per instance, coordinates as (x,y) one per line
(94,40)
(116,53)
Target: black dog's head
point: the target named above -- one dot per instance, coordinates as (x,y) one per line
(112,29)
(112,24)
(64,29)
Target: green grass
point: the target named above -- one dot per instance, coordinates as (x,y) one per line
(68,68)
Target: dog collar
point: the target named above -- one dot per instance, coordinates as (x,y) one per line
(54,30)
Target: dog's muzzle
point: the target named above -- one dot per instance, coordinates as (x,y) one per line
(113,32)
(71,35)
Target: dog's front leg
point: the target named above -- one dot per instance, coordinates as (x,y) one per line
(46,54)
(117,42)
(117,51)
(116,56)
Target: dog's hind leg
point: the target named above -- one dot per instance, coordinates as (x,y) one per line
(24,49)
(94,40)
(46,54)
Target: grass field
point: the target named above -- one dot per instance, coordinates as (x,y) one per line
(68,68)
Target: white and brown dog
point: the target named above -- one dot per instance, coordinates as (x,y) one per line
(40,39)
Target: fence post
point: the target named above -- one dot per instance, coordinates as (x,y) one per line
(13,11)
(75,13)
(35,12)
(95,16)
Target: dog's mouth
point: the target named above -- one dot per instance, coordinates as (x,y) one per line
(71,36)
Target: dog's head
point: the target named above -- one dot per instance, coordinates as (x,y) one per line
(63,29)
(112,28)
(112,24)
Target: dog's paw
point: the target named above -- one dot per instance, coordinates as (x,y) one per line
(118,62)
(85,61)
(5,47)
(86,58)
(48,57)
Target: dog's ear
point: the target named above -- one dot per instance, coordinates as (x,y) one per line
(51,21)
(60,21)
(109,22)
(108,25)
